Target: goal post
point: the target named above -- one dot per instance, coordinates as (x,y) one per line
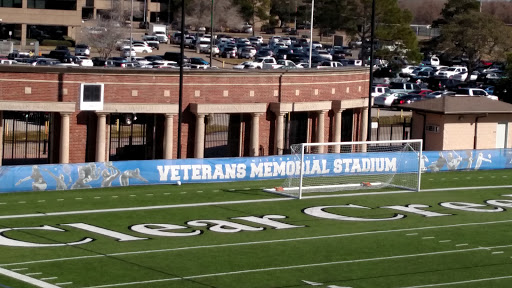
(339,166)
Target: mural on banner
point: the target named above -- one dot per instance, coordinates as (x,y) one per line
(456,160)
(61,177)
(125,173)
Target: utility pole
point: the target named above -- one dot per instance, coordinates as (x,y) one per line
(311,33)
(370,100)
(211,35)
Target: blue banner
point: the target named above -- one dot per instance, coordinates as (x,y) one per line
(126,173)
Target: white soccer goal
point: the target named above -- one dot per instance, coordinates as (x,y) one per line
(333,167)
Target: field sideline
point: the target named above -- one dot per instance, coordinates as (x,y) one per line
(455,233)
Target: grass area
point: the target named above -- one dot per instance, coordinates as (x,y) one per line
(216,235)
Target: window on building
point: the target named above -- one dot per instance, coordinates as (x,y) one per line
(52,4)
(10,3)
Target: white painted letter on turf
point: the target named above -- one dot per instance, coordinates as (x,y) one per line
(471,207)
(160,230)
(17,243)
(320,213)
(223,226)
(267,220)
(413,208)
(103,231)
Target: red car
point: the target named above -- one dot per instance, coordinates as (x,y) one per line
(425,92)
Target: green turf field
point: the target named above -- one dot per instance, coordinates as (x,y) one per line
(455,233)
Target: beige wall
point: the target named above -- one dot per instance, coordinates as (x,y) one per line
(42,16)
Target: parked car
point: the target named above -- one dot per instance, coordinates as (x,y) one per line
(404,87)
(406,99)
(151,41)
(439,94)
(229,52)
(474,92)
(379,90)
(451,71)
(85,61)
(386,99)
(247,52)
(63,56)
(329,65)
(138,48)
(82,50)
(176,57)
(165,64)
(243,65)
(127,52)
(198,63)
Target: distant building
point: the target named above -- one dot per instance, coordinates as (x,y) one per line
(27,20)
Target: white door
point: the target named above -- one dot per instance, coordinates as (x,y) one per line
(501,135)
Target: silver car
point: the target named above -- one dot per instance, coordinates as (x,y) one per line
(82,50)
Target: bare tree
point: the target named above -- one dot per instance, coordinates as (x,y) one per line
(104,36)
(424,12)
(225,14)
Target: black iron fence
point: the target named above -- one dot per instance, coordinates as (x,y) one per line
(26,137)
(391,128)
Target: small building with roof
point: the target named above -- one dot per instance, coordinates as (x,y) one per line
(461,122)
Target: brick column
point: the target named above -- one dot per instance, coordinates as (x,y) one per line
(364,124)
(64,138)
(337,129)
(255,134)
(320,133)
(168,135)
(279,134)
(101,135)
(199,139)
(364,127)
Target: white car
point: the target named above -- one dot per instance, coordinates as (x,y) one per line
(84,61)
(408,69)
(242,65)
(386,99)
(128,52)
(139,48)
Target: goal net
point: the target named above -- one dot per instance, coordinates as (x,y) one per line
(333,167)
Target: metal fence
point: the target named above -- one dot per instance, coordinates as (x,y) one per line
(392,129)
(128,139)
(26,137)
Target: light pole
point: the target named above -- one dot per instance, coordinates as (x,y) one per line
(131,32)
(311,32)
(211,35)
(145,10)
(180,95)
(370,100)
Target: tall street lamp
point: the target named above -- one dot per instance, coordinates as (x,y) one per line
(370,100)
(180,97)
(311,32)
(211,35)
(131,32)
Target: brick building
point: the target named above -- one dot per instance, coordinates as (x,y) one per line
(462,122)
(225,113)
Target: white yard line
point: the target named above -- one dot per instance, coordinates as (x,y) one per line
(292,267)
(238,202)
(264,242)
(26,279)
(460,282)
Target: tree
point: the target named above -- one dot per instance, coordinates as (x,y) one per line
(475,36)
(252,9)
(225,14)
(104,36)
(453,8)
(392,25)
